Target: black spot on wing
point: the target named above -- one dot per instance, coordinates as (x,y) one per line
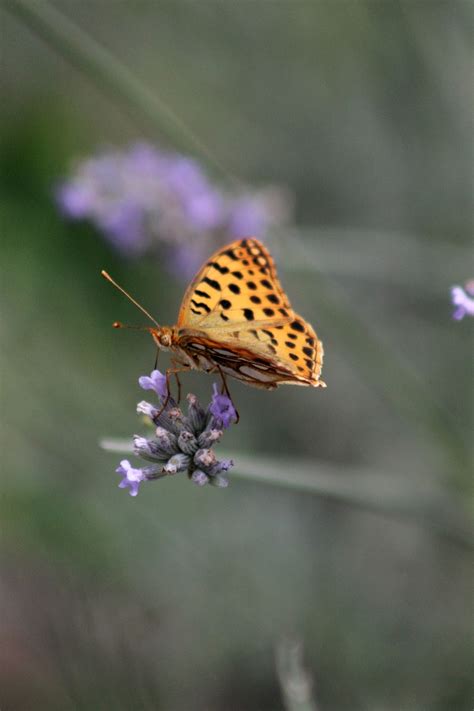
(269,312)
(230,253)
(266,284)
(201,305)
(238,275)
(255,300)
(248,313)
(289,344)
(297,326)
(251,285)
(212,283)
(308,351)
(293,356)
(273,299)
(225,303)
(203,294)
(234,288)
(219,267)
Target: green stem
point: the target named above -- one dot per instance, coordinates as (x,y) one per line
(100,65)
(363,489)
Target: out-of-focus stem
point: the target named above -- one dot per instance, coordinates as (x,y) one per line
(100,65)
(364,489)
(295,682)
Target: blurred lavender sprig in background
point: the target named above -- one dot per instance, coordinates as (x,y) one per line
(463,300)
(146,200)
(181,442)
(296,682)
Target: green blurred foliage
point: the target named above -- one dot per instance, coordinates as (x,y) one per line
(177,600)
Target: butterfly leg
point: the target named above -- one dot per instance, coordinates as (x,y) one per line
(225,390)
(156,358)
(168,374)
(178,383)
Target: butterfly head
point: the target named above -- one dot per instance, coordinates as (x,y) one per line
(163,337)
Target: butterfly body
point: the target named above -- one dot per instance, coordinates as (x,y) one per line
(236,319)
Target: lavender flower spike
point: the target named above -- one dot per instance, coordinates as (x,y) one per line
(181,442)
(463,300)
(147,201)
(222,409)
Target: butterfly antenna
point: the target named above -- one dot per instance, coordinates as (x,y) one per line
(117,324)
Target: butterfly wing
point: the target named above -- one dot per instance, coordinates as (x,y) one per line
(236,305)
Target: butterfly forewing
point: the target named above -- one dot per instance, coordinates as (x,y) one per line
(236,305)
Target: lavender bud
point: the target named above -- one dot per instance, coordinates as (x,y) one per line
(167,441)
(171,419)
(205,458)
(152,472)
(196,414)
(177,463)
(175,414)
(145,408)
(209,437)
(199,478)
(187,442)
(150,449)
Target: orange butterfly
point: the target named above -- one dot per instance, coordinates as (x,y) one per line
(236,320)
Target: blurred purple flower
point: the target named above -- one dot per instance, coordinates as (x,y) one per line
(75,200)
(181,442)
(144,200)
(463,300)
(222,409)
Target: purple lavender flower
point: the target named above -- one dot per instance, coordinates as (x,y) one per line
(222,409)
(156,381)
(181,442)
(145,200)
(463,300)
(132,478)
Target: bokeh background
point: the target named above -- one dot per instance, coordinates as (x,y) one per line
(184,598)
